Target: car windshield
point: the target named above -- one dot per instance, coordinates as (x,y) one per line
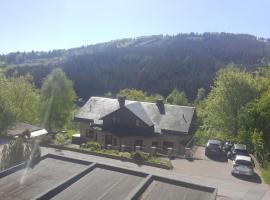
(241,152)
(243,162)
(214,145)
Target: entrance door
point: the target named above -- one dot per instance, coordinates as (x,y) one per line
(108,139)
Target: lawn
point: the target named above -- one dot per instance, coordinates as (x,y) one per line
(266,175)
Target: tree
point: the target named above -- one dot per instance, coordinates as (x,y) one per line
(58,100)
(23,97)
(19,151)
(254,118)
(232,90)
(138,95)
(177,98)
(19,101)
(200,96)
(7,117)
(108,95)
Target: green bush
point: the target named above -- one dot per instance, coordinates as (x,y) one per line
(160,161)
(125,155)
(139,156)
(61,139)
(92,146)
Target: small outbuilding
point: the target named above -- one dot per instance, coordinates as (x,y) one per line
(20,129)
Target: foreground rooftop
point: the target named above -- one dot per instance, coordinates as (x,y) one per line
(58,177)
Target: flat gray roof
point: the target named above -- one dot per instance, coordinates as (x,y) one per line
(25,184)
(60,178)
(101,184)
(158,190)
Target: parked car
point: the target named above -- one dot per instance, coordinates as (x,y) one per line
(243,165)
(238,149)
(213,147)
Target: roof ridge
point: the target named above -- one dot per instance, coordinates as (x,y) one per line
(134,101)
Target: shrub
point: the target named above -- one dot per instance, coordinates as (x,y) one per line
(125,155)
(139,156)
(93,146)
(161,161)
(61,139)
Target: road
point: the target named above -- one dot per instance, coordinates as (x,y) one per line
(203,171)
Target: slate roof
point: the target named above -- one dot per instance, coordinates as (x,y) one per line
(176,118)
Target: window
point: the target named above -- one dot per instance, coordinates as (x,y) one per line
(167,145)
(138,143)
(89,133)
(137,122)
(116,120)
(154,144)
(114,142)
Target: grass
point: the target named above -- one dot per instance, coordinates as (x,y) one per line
(266,175)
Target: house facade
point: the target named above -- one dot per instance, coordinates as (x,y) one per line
(119,122)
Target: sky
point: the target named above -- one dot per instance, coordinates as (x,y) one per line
(28,25)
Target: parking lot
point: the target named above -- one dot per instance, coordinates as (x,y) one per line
(217,171)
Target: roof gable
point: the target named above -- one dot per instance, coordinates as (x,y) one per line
(137,109)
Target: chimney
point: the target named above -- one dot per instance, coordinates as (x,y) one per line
(160,106)
(121,100)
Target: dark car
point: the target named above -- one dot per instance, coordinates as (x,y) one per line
(238,149)
(213,147)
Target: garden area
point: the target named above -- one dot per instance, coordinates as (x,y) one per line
(63,141)
(138,157)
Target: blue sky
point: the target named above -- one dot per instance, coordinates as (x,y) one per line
(28,25)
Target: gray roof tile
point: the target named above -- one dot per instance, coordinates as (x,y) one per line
(176,118)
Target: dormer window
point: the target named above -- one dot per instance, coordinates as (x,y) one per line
(137,122)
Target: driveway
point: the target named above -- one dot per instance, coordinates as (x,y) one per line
(218,173)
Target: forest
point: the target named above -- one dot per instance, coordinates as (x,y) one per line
(154,64)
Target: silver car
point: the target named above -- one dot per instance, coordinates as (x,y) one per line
(243,165)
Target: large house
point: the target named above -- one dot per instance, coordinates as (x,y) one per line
(133,123)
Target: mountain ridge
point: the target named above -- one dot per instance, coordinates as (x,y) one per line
(155,64)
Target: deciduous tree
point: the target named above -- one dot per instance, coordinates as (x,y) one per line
(58,100)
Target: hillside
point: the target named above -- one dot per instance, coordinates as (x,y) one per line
(155,64)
